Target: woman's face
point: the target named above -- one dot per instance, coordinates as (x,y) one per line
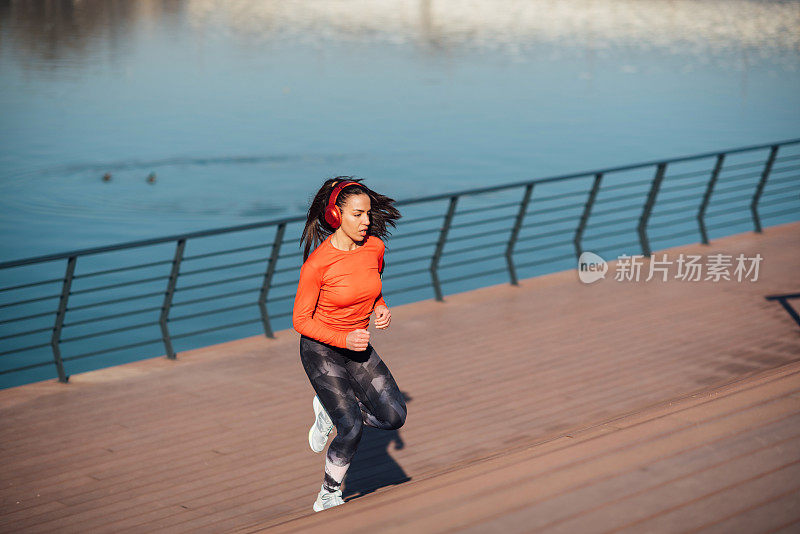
(356,217)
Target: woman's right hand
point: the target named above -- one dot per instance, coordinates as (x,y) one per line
(358,339)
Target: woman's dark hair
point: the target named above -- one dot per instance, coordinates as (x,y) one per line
(317,228)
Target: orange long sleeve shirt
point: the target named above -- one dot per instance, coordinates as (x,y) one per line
(338,290)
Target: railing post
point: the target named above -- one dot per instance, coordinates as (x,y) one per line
(440,245)
(523,207)
(648,208)
(262,297)
(165,308)
(707,197)
(55,340)
(760,189)
(587,210)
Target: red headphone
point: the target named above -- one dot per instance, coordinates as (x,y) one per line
(332,214)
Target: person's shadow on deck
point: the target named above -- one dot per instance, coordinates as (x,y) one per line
(372,466)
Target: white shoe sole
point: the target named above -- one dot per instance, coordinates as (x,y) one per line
(318,507)
(317,407)
(311,441)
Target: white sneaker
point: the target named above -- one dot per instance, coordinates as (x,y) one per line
(327,499)
(318,434)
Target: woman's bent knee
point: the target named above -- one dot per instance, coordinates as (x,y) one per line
(396,420)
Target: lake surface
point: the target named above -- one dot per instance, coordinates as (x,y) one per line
(242,108)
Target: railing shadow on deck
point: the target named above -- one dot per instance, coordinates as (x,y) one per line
(156,291)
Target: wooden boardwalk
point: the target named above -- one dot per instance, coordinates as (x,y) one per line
(554,406)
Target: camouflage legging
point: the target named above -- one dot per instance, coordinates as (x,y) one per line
(356,389)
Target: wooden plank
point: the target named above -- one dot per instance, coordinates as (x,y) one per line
(216,441)
(515,484)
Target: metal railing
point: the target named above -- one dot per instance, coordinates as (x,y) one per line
(571,206)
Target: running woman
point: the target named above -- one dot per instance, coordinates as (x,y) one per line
(339,289)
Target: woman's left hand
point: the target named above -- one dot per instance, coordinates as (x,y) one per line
(382,317)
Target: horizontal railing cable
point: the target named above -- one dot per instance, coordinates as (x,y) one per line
(525,224)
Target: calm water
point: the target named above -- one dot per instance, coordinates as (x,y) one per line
(242,108)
